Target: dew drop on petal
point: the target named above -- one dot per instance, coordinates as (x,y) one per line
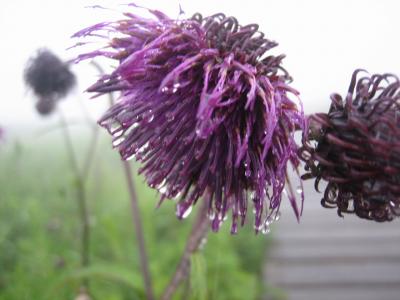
(265,230)
(299,190)
(130,157)
(118,141)
(187,212)
(163,190)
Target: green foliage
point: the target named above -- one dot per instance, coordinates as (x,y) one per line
(198,276)
(40,229)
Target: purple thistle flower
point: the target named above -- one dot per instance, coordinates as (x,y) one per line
(49,78)
(356,149)
(204,110)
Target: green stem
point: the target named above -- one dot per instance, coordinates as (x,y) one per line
(137,221)
(81,197)
(197,234)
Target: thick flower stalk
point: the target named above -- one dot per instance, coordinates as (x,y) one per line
(204,109)
(49,78)
(355,147)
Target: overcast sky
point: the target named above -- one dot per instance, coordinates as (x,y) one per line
(324,42)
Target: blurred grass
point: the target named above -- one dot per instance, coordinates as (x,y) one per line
(39,233)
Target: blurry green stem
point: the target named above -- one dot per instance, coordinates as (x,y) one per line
(139,232)
(196,236)
(81,196)
(144,265)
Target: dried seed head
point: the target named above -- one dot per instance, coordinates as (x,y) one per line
(355,147)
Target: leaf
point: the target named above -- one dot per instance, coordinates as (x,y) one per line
(198,276)
(113,273)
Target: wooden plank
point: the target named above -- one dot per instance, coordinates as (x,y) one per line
(311,234)
(340,274)
(388,250)
(327,257)
(346,293)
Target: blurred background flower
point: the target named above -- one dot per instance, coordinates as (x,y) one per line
(49,78)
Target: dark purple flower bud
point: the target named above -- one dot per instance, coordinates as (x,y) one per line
(355,147)
(49,78)
(205,110)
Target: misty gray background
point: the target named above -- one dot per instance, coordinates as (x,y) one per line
(324,42)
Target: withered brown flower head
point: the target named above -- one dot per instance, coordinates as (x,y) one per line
(355,147)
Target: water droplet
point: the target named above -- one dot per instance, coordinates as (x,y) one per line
(164,89)
(265,230)
(176,194)
(392,204)
(163,190)
(130,157)
(187,212)
(247,173)
(170,116)
(175,87)
(118,133)
(299,190)
(211,215)
(258,227)
(148,116)
(277,216)
(143,149)
(118,141)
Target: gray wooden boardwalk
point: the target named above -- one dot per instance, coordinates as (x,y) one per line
(330,258)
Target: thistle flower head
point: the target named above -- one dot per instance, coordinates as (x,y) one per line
(49,78)
(204,109)
(356,149)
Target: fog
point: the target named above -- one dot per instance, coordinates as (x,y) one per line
(324,42)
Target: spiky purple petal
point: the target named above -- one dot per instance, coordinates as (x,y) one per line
(204,110)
